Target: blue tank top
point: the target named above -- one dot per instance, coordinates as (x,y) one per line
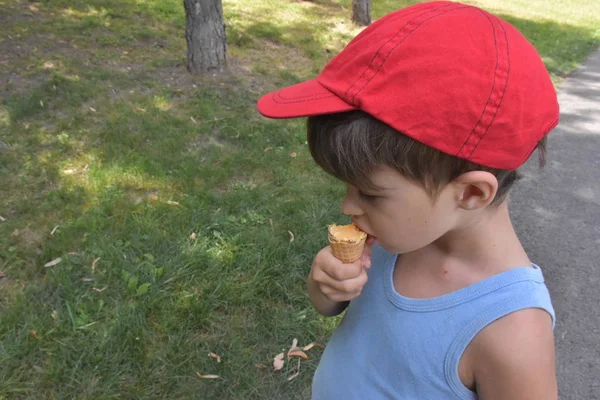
(388,346)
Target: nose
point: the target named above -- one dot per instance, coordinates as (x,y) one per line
(350,204)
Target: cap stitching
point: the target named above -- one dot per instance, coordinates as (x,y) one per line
(400,39)
(384,44)
(304,99)
(389,40)
(501,98)
(479,125)
(280,94)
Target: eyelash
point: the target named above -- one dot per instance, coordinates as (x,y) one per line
(366,197)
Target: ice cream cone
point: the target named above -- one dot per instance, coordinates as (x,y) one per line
(347,242)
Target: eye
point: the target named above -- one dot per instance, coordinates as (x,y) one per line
(367,197)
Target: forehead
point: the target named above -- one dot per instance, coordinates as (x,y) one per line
(384,178)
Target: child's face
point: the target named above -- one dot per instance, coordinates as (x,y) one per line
(402,216)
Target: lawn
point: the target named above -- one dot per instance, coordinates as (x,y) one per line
(176,222)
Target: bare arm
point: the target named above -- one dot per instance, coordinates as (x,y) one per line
(322,303)
(514,358)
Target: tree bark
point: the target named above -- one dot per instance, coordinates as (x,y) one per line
(205,36)
(361,12)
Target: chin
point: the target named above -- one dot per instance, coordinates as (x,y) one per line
(390,249)
(396,249)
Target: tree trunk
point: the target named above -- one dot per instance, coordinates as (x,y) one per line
(361,12)
(205,36)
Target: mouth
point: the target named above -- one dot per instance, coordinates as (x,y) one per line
(370,238)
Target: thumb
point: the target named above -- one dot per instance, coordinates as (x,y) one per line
(365,257)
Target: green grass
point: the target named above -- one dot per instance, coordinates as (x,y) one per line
(110,151)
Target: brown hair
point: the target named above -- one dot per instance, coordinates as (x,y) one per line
(349,145)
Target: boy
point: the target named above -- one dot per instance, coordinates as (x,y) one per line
(426,115)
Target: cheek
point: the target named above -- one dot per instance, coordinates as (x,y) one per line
(414,227)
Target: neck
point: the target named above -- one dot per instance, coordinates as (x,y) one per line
(487,246)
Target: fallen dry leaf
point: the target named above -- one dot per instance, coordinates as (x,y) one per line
(260,366)
(311,345)
(193,120)
(173,203)
(291,238)
(293,155)
(53,262)
(215,356)
(86,279)
(100,290)
(94,264)
(3,275)
(193,236)
(278,361)
(298,353)
(294,347)
(207,376)
(268,149)
(2,219)
(54,230)
(92,109)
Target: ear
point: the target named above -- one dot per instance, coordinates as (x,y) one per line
(475,189)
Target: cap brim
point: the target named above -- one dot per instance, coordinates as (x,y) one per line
(302,100)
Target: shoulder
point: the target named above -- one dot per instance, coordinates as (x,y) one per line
(513,357)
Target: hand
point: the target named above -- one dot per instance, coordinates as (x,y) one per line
(340,282)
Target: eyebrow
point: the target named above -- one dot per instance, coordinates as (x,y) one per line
(373,187)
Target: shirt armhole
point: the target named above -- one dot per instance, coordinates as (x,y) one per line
(472,329)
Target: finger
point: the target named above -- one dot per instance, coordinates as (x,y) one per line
(349,285)
(336,269)
(335,295)
(365,257)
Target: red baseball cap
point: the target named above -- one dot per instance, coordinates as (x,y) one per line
(449,75)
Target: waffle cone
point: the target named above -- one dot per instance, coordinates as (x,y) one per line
(345,249)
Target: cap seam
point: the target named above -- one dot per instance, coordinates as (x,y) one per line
(503,92)
(496,78)
(386,42)
(389,40)
(304,99)
(325,91)
(370,65)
